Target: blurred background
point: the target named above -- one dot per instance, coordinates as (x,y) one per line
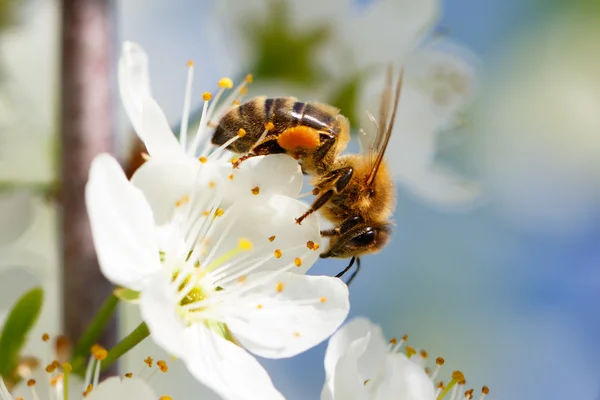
(495,259)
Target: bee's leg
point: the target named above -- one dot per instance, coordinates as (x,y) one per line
(265,148)
(355,272)
(331,232)
(341,273)
(339,180)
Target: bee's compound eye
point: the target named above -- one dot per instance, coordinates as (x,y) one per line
(364,239)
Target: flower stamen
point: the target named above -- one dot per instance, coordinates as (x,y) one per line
(186,105)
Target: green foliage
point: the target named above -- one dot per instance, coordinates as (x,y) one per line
(19,322)
(8,11)
(284,53)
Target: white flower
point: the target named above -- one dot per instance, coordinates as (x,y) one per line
(213,279)
(360,364)
(258,176)
(439,83)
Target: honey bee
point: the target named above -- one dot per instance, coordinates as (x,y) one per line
(313,133)
(355,192)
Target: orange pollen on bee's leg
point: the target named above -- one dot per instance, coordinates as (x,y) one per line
(298,137)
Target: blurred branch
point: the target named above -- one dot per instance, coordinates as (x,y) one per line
(86,131)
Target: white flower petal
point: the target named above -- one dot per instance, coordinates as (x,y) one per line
(263,217)
(158,307)
(387,28)
(228,369)
(134,82)
(273,174)
(445,72)
(358,328)
(122,225)
(404,379)
(156,132)
(116,389)
(277,326)
(165,182)
(345,383)
(443,188)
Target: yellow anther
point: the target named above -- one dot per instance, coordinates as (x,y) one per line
(244,90)
(241,132)
(226,83)
(67,367)
(255,190)
(440,361)
(259,306)
(423,353)
(485,390)
(298,262)
(129,375)
(206,213)
(100,353)
(323,299)
(149,361)
(248,78)
(235,160)
(236,102)
(269,126)
(316,246)
(31,382)
(184,200)
(88,389)
(230,177)
(277,253)
(212,184)
(271,238)
(190,63)
(162,365)
(219,212)
(45,337)
(405,338)
(245,244)
(50,368)
(297,334)
(410,351)
(165,398)
(206,96)
(202,159)
(279,287)
(310,244)
(458,376)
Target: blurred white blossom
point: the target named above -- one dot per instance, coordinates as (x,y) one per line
(361,365)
